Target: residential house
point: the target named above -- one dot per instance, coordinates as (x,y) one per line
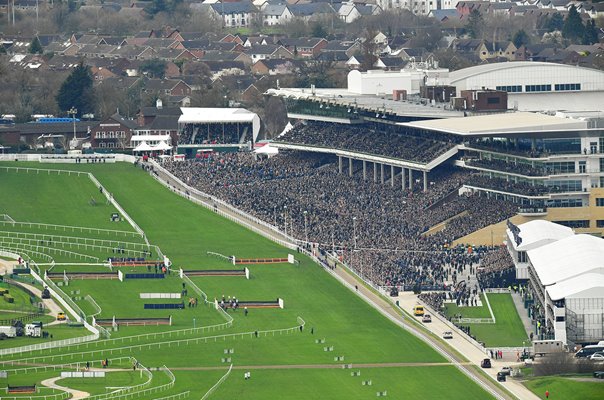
(464,8)
(304,47)
(169,87)
(346,47)
(99,74)
(214,55)
(132,52)
(276,14)
(175,54)
(268,51)
(276,67)
(350,12)
(312,11)
(484,49)
(235,15)
(112,133)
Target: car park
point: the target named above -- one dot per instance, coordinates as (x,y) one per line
(448,335)
(485,363)
(426,318)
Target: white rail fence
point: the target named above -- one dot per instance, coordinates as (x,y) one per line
(220,381)
(68,228)
(161,345)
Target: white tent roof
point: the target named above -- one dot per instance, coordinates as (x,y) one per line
(594,283)
(538,233)
(567,258)
(143,146)
(140,138)
(162,146)
(198,115)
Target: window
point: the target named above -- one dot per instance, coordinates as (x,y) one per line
(600,223)
(538,88)
(562,167)
(593,147)
(582,223)
(564,203)
(567,86)
(582,167)
(599,202)
(493,100)
(510,89)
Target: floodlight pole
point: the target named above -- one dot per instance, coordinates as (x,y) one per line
(73,113)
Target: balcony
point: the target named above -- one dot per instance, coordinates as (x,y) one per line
(532,211)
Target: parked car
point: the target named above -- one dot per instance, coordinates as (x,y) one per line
(61,316)
(599,374)
(506,371)
(597,356)
(427,318)
(448,335)
(501,377)
(486,363)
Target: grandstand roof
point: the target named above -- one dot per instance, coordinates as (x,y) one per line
(198,115)
(588,285)
(366,102)
(497,124)
(538,233)
(567,258)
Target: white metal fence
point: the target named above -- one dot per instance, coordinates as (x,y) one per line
(215,386)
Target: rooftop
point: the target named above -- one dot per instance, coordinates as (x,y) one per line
(505,123)
(538,233)
(568,258)
(594,283)
(367,102)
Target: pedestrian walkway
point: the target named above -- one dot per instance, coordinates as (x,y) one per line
(523,313)
(75,394)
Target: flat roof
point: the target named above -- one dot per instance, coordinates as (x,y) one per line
(367,102)
(504,123)
(594,283)
(538,233)
(567,258)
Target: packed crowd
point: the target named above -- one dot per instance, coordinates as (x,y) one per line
(214,133)
(524,188)
(366,140)
(376,228)
(516,168)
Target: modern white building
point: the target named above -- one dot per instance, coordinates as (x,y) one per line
(529,236)
(537,86)
(566,278)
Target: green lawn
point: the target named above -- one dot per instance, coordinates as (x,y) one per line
(566,388)
(507,332)
(469,312)
(185,232)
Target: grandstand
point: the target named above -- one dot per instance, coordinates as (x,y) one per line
(216,128)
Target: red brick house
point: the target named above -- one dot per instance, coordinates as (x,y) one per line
(112,133)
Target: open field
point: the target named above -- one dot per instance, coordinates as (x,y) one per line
(507,332)
(185,232)
(561,387)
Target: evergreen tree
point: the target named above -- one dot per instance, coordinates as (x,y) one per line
(521,38)
(555,23)
(590,36)
(35,47)
(154,68)
(76,91)
(475,24)
(573,28)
